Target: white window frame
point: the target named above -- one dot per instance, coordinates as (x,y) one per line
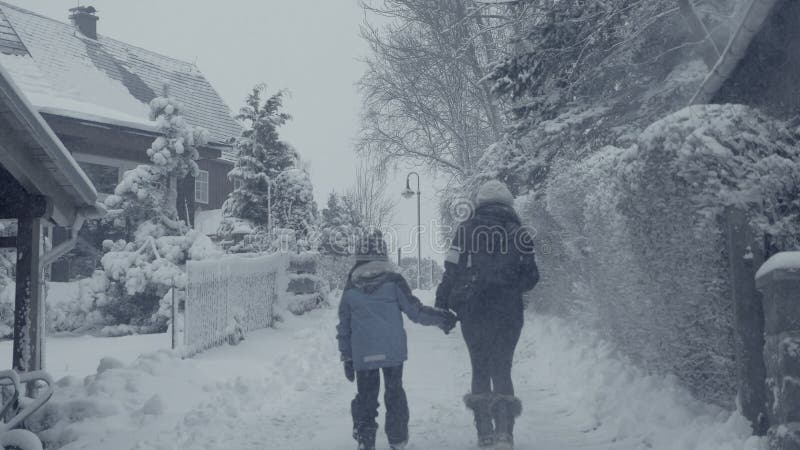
(201,187)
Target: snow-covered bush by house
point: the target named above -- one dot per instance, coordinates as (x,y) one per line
(142,270)
(77,306)
(639,228)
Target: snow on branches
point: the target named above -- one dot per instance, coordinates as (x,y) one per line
(730,155)
(143,269)
(150,191)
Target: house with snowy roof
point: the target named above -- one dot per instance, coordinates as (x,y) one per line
(94,92)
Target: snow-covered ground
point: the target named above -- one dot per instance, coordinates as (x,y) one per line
(284,389)
(78,356)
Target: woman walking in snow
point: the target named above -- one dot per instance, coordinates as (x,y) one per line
(491,263)
(372,338)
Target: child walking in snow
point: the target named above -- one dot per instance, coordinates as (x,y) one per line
(372,338)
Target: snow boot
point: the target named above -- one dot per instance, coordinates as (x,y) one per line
(505,409)
(366,438)
(481,406)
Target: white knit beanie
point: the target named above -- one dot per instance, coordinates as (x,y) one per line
(494,191)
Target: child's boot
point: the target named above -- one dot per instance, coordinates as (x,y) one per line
(366,438)
(481,405)
(505,409)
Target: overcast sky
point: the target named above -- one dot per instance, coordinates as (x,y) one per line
(312,48)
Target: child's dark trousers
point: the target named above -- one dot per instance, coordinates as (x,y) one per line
(365,406)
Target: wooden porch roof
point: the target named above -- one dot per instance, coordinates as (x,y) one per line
(32,153)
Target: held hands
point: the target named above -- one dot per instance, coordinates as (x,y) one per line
(449,322)
(349,372)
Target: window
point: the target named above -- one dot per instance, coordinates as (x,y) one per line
(104,178)
(201,187)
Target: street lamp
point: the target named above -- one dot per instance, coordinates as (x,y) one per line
(408,193)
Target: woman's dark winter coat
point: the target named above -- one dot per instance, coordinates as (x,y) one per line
(463,288)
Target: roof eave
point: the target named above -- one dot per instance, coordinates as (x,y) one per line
(85,194)
(750,25)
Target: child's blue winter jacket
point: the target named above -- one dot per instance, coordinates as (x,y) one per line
(370,329)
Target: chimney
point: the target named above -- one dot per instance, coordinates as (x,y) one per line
(85,20)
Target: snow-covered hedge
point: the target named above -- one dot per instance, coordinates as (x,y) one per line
(334,269)
(639,229)
(307,290)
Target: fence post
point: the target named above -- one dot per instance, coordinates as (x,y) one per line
(745,255)
(779,281)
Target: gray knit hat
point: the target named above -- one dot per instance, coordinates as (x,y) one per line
(494,191)
(372,247)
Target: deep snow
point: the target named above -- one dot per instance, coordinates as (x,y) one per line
(284,389)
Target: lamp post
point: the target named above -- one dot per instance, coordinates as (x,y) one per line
(408,193)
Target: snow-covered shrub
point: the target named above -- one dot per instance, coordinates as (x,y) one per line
(140,273)
(142,270)
(306,289)
(731,155)
(640,230)
(334,269)
(77,306)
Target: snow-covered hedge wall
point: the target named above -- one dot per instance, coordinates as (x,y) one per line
(639,228)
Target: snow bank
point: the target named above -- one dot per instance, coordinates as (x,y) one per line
(625,402)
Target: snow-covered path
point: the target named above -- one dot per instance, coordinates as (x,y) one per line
(284,389)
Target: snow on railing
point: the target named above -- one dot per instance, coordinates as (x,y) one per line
(231,295)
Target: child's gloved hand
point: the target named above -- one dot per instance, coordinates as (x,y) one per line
(449,322)
(349,372)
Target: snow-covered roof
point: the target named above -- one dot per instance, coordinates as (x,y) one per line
(36,158)
(786,261)
(65,73)
(750,25)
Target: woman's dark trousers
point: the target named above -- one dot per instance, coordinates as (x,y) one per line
(491,332)
(365,406)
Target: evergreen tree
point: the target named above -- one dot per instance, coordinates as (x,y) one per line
(262,157)
(150,192)
(293,205)
(336,227)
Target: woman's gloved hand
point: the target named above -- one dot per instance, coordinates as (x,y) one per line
(349,372)
(449,322)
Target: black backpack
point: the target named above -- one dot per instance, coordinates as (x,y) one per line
(495,258)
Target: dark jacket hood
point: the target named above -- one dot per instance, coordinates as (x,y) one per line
(498,213)
(370,276)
